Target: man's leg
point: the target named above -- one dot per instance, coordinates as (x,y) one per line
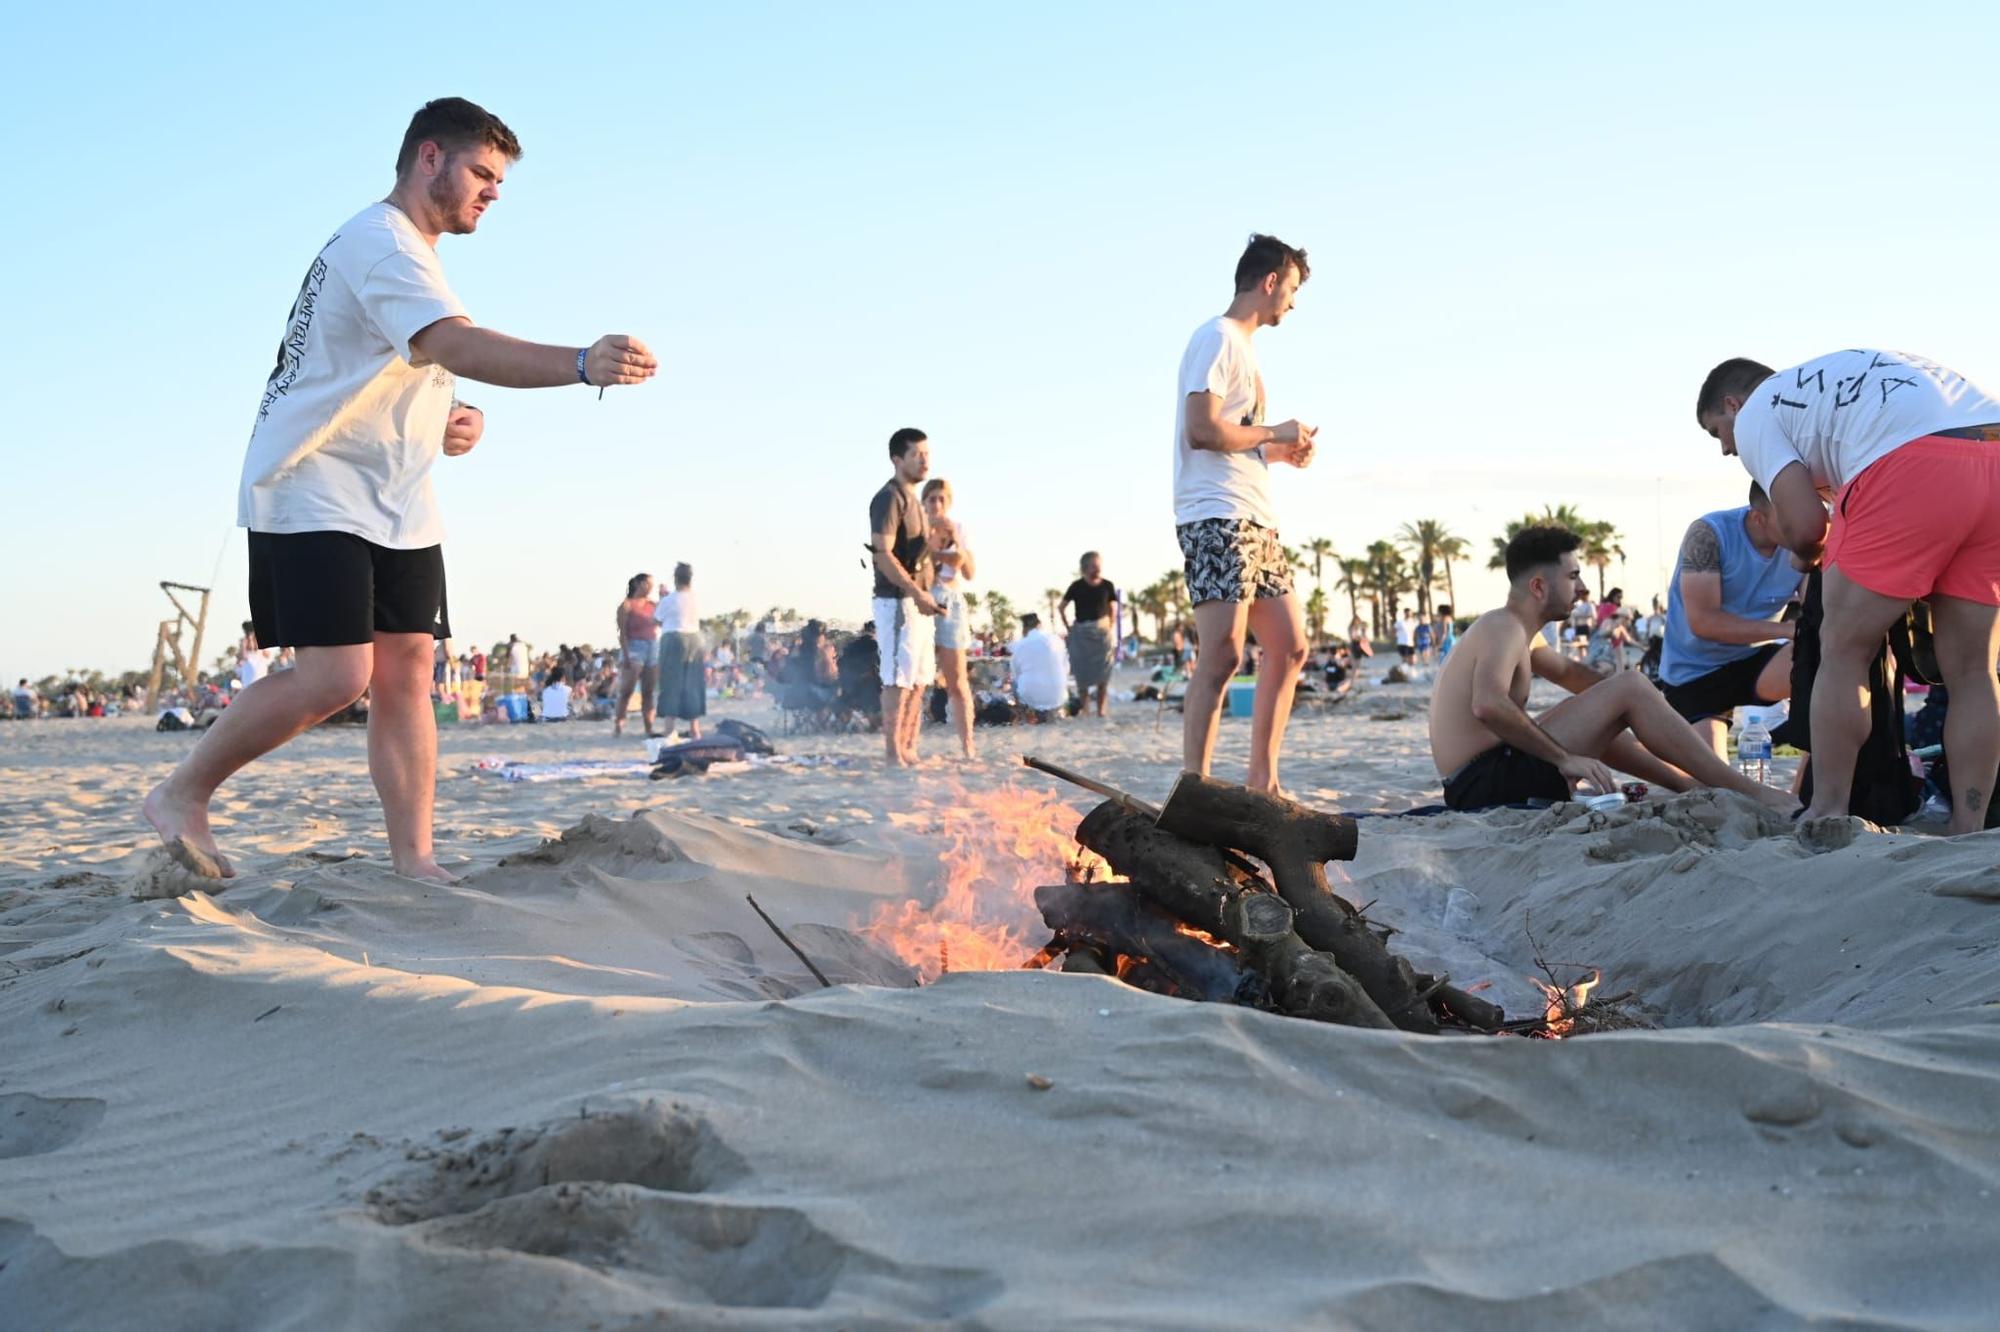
(1102,691)
(1219,627)
(1280,630)
(1849,637)
(263,716)
(1589,723)
(913,720)
(1774,682)
(1967,635)
(892,723)
(1714,731)
(402,751)
(1627,755)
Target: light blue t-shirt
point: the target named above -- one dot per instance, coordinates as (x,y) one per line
(1754,586)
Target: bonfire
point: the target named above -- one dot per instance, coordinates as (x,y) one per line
(1220,896)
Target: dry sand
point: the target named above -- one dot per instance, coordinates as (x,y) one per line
(587,1087)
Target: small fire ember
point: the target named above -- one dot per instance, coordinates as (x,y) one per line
(1565,1002)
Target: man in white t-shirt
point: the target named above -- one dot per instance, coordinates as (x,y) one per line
(1908,453)
(1041,670)
(1237,573)
(346,560)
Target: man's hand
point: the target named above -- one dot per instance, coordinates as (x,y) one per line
(1291,443)
(925,604)
(618,359)
(1590,772)
(462,430)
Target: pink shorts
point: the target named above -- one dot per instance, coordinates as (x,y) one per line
(1924,519)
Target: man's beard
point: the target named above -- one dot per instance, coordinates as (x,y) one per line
(453,210)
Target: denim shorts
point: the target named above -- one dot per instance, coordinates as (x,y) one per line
(643,652)
(952,631)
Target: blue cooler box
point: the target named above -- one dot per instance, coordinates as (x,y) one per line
(514,707)
(1242,694)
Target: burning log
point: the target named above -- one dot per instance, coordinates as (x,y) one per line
(1194,884)
(1296,843)
(1108,917)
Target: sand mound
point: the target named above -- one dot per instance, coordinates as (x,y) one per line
(588,1086)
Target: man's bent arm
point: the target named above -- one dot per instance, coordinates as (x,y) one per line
(1208,431)
(1493,707)
(1701,598)
(892,569)
(1557,669)
(1801,513)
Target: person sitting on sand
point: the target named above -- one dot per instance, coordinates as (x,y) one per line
(1041,670)
(1491,752)
(1724,646)
(555,697)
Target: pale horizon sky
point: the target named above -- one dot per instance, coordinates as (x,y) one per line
(1532,231)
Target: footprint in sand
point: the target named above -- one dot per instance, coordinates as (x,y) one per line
(1833,833)
(31,1125)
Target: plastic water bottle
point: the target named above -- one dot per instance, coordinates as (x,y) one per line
(1753,750)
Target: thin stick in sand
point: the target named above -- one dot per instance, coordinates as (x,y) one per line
(786,939)
(1105,789)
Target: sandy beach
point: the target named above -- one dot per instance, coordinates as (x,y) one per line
(587,1087)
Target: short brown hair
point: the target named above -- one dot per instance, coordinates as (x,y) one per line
(1266,255)
(454,124)
(937,485)
(1734,378)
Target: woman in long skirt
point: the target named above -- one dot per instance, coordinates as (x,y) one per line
(683,688)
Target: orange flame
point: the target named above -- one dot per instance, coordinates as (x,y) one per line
(999,846)
(1565,1004)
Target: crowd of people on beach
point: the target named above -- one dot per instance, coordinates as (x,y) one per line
(347,565)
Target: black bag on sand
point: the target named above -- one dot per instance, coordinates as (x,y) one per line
(753,740)
(1885,790)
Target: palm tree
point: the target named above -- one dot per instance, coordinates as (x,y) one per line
(1354,582)
(1422,539)
(1316,614)
(1321,550)
(1053,596)
(1389,577)
(1448,549)
(999,614)
(1552,515)
(1173,585)
(1600,547)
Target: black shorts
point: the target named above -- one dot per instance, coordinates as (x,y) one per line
(335,589)
(1723,689)
(1503,775)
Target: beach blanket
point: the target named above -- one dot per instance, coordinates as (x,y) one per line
(575,770)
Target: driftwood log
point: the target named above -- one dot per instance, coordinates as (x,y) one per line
(1110,918)
(1194,884)
(1296,843)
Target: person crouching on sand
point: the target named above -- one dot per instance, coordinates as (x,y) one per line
(1490,752)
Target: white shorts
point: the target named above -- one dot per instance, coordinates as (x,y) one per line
(903,636)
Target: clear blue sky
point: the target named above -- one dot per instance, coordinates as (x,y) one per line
(1532,230)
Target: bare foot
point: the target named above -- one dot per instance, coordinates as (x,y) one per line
(617,726)
(1832,832)
(183,827)
(426,869)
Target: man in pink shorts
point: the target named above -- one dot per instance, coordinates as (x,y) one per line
(1908,453)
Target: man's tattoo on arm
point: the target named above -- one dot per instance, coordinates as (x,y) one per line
(1701,550)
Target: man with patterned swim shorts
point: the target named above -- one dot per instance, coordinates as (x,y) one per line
(1908,453)
(1237,574)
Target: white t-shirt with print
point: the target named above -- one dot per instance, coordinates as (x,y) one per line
(1220,360)
(1839,413)
(348,427)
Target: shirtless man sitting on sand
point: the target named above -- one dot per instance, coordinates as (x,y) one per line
(1491,752)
